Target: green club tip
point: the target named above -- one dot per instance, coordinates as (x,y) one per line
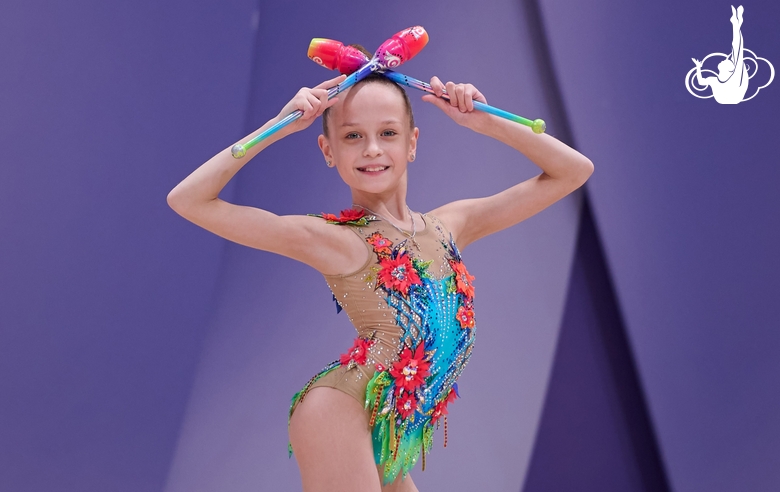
(539,126)
(238,151)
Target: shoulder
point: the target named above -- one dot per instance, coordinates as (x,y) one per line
(345,239)
(452,217)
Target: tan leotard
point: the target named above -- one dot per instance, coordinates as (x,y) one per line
(412,307)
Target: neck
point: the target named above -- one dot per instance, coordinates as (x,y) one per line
(390,204)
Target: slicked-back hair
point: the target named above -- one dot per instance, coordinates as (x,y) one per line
(374,78)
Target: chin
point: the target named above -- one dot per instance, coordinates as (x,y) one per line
(376,187)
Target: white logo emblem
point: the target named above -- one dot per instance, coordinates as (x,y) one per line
(417,32)
(392,60)
(730,84)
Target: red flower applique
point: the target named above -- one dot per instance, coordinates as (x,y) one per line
(410,370)
(358,353)
(347,216)
(398,273)
(441,408)
(466,316)
(351,214)
(406,405)
(463,278)
(380,244)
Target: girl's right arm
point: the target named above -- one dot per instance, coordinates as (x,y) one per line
(196,199)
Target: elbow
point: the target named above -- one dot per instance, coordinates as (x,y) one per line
(588,169)
(584,172)
(175,201)
(184,205)
(171,199)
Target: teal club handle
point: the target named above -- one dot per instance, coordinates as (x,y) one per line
(239,150)
(537,125)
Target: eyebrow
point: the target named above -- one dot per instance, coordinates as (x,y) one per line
(383,123)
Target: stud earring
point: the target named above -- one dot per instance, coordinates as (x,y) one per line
(329,163)
(412,157)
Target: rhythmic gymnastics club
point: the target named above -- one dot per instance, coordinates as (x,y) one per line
(332,55)
(400,48)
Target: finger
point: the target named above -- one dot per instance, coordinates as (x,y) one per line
(332,82)
(478,96)
(437,86)
(437,101)
(312,106)
(316,104)
(451,93)
(322,97)
(319,93)
(460,92)
(469,97)
(306,107)
(299,101)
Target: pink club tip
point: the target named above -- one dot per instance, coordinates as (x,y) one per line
(402,47)
(332,55)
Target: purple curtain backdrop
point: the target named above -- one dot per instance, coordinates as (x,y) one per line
(595,432)
(139,352)
(684,197)
(106,294)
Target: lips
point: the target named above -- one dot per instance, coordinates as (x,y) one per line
(372,169)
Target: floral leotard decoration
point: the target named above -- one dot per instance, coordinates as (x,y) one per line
(408,399)
(348,216)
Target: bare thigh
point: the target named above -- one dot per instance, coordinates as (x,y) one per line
(399,484)
(332,444)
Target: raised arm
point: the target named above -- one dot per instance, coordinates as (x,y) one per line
(564,170)
(196,199)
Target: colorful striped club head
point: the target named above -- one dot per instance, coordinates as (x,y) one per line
(333,55)
(402,47)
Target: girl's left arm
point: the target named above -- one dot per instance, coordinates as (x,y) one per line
(563,170)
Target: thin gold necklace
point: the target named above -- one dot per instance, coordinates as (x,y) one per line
(414,229)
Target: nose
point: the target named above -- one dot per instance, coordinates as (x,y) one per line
(373,149)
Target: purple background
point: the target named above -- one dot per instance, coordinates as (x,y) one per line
(628,333)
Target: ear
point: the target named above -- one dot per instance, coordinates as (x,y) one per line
(413,140)
(322,141)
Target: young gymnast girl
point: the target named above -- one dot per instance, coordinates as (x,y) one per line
(361,423)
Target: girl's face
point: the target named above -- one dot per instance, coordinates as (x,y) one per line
(369,140)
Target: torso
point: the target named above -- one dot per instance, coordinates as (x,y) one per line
(354,252)
(412,308)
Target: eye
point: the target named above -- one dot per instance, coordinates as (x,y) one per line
(352,135)
(389,133)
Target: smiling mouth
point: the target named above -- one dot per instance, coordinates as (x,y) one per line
(372,169)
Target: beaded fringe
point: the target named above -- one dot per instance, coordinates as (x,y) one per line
(388,438)
(377,401)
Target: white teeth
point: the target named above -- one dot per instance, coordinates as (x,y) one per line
(373,168)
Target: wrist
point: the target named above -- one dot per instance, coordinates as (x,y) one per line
(485,125)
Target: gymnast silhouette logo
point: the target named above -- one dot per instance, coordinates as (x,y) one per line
(735,70)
